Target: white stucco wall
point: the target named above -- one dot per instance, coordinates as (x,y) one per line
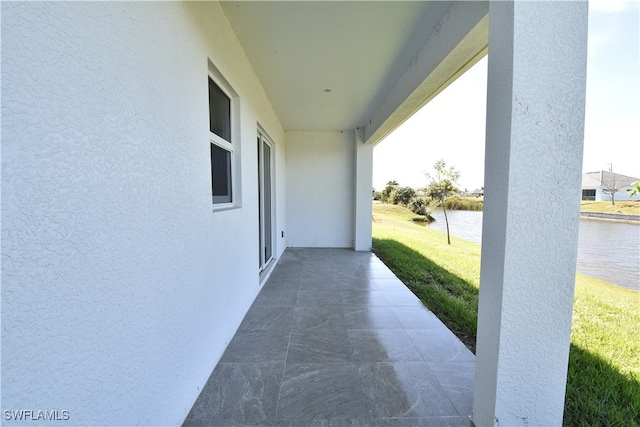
(120,286)
(320,188)
(535,110)
(363,210)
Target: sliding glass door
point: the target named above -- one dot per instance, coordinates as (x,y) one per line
(265,199)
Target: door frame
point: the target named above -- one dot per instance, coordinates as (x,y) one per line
(266,200)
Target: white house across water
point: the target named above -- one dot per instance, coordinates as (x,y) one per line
(159,157)
(599,185)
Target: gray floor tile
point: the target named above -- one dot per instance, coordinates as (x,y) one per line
(318,284)
(376,264)
(388,422)
(351,272)
(259,318)
(292,254)
(257,346)
(446,422)
(276,298)
(417,318)
(350,262)
(389,285)
(383,345)
(363,298)
(355,283)
(318,272)
(380,274)
(439,345)
(318,318)
(287,272)
(322,258)
(240,392)
(319,346)
(291,283)
(456,378)
(291,266)
(404,390)
(322,391)
(335,340)
(451,421)
(401,298)
(366,317)
(316,297)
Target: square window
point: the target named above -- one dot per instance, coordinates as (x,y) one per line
(220,174)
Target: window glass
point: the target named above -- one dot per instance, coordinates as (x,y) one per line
(220,174)
(219,112)
(221,148)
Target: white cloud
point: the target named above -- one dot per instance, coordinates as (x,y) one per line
(598,41)
(612,6)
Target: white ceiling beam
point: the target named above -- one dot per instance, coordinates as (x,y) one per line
(455,46)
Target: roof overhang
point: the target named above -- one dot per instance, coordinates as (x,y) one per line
(338,65)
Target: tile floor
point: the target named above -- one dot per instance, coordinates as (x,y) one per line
(335,339)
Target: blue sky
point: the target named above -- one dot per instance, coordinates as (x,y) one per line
(612,122)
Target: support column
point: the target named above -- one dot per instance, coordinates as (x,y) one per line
(533,166)
(363,184)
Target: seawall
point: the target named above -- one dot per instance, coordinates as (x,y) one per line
(632,219)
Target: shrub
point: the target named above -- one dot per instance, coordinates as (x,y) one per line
(391,196)
(420,206)
(463,204)
(403,195)
(387,194)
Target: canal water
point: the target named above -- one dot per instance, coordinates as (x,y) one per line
(606,250)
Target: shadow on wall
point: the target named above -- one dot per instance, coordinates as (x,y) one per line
(452,299)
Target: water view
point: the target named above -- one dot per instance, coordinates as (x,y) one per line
(606,250)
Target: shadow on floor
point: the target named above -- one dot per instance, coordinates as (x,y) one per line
(451,298)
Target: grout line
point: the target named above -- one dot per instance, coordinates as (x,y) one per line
(286,354)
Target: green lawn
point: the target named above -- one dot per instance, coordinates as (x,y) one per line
(603,384)
(627,207)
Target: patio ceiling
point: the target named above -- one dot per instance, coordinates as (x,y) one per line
(329,66)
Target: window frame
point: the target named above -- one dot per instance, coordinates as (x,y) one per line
(228,197)
(265,188)
(232,147)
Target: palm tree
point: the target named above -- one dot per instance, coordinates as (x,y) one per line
(635,189)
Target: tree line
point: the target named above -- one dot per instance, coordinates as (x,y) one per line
(441,191)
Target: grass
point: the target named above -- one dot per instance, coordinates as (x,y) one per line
(626,207)
(423,260)
(396,211)
(464,203)
(604,361)
(603,381)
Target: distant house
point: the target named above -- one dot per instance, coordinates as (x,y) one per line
(479,192)
(595,184)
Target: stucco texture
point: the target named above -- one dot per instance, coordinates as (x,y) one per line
(320,187)
(120,286)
